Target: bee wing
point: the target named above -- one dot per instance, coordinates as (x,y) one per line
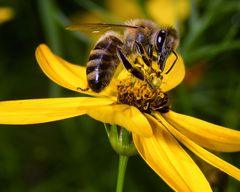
(98,27)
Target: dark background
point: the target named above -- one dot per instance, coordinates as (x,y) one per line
(75,154)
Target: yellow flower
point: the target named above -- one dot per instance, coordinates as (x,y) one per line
(6,14)
(131,9)
(156,136)
(168,12)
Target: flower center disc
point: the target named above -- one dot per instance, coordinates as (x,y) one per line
(138,93)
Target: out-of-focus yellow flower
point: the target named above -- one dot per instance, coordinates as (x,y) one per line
(156,135)
(125,9)
(6,14)
(163,12)
(168,12)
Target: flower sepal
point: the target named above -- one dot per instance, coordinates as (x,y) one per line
(120,140)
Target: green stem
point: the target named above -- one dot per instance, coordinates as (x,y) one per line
(121,172)
(48,13)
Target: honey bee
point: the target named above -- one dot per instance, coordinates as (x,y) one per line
(141,39)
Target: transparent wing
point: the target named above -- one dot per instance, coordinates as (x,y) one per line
(98,27)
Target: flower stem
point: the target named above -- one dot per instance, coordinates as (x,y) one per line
(122,143)
(48,14)
(121,172)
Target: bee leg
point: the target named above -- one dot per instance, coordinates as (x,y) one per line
(135,72)
(141,52)
(173,62)
(150,51)
(82,89)
(161,61)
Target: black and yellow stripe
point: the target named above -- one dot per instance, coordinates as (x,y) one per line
(103,62)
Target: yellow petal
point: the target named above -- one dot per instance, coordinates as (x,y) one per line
(175,76)
(34,111)
(126,116)
(206,134)
(202,153)
(168,159)
(68,75)
(60,71)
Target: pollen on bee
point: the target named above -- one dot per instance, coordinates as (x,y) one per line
(134,92)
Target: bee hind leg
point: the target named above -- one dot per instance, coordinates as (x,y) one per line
(135,72)
(82,89)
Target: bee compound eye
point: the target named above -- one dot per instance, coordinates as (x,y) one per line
(160,39)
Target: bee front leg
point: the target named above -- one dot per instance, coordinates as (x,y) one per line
(142,53)
(135,72)
(150,51)
(173,62)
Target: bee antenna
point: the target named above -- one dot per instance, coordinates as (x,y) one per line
(173,62)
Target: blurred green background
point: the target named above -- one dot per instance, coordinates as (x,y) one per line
(74,154)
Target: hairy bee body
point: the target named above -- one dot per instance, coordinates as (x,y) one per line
(143,34)
(103,61)
(140,37)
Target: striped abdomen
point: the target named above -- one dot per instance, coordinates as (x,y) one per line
(103,62)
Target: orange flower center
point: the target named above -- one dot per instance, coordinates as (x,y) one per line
(135,92)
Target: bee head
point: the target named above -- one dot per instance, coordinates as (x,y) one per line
(165,42)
